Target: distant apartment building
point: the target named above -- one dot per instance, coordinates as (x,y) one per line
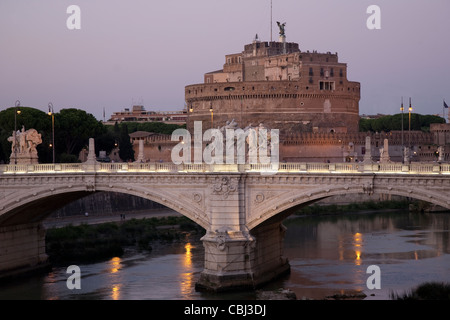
(139,114)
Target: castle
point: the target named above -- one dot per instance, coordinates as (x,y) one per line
(277,84)
(305,95)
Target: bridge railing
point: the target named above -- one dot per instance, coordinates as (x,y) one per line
(391,167)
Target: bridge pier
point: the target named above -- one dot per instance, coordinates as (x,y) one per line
(243,260)
(22,249)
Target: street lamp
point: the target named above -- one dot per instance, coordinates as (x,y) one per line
(52,114)
(212,115)
(401,109)
(410,109)
(16,112)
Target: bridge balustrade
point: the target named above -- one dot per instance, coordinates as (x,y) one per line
(391,167)
(445,168)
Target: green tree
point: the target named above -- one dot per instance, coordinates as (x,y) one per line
(126,151)
(394,122)
(73,129)
(30,118)
(105,142)
(156,127)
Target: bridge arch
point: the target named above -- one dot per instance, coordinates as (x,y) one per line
(28,207)
(282,207)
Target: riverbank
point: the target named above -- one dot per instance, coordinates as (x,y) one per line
(369,206)
(80,219)
(355,207)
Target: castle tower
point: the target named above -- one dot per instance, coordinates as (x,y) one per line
(279,85)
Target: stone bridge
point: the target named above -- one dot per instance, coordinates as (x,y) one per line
(241,207)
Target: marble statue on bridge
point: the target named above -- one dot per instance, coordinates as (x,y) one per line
(23,146)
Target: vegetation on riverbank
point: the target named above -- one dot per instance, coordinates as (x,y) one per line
(87,243)
(353,207)
(426,291)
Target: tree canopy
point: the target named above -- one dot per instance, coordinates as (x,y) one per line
(29,118)
(156,127)
(73,128)
(394,122)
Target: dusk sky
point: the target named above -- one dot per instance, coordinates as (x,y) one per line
(142,51)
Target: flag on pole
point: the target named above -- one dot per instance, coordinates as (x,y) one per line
(445,105)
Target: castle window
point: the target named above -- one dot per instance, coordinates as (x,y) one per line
(331,72)
(326,85)
(321,72)
(311,80)
(341,73)
(311,73)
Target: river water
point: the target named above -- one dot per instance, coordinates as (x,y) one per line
(328,255)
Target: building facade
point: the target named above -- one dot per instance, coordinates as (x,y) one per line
(139,114)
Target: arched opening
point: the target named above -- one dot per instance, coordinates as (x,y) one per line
(22,236)
(276,244)
(289,204)
(334,250)
(41,204)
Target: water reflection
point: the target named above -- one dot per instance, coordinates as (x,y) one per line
(188,255)
(114,264)
(187,277)
(357,243)
(330,254)
(114,267)
(327,254)
(115,294)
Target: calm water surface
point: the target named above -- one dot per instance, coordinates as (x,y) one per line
(328,255)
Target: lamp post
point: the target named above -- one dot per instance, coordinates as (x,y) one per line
(401,109)
(212,115)
(16,112)
(52,114)
(410,109)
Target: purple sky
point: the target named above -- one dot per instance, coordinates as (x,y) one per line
(132,51)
